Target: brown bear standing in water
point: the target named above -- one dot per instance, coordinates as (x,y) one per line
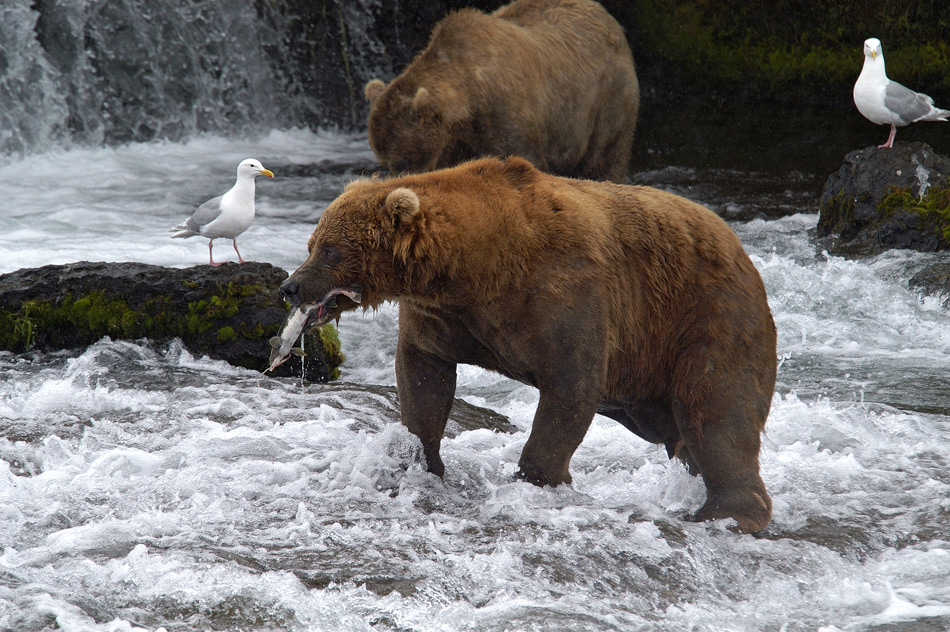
(623,300)
(550,81)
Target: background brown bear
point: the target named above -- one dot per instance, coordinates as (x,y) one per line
(628,300)
(550,81)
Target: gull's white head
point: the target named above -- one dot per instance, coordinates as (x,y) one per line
(872,48)
(251,168)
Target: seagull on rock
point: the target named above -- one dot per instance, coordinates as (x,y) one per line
(887,102)
(228,215)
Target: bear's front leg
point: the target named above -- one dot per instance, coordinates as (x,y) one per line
(559,426)
(426,387)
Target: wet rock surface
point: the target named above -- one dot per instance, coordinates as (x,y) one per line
(228,312)
(883,198)
(934,280)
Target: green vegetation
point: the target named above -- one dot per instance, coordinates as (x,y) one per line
(836,213)
(204,314)
(83,319)
(22,328)
(772,47)
(934,207)
(92,315)
(330,339)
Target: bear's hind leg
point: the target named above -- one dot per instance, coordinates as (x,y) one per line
(726,450)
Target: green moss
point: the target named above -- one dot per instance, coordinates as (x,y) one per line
(836,213)
(81,320)
(934,206)
(772,47)
(256,331)
(202,314)
(197,320)
(330,339)
(98,314)
(74,320)
(159,315)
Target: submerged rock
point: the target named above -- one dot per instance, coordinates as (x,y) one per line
(888,198)
(934,280)
(228,313)
(463,416)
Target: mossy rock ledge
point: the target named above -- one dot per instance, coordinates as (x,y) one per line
(883,198)
(228,313)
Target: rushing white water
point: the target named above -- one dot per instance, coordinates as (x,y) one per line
(142,487)
(76,73)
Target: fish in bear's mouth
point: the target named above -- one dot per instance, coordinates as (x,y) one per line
(304,317)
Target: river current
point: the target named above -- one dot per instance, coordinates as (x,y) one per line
(145,488)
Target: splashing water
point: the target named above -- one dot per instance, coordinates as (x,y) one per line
(144,488)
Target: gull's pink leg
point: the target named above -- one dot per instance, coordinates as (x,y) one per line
(240,258)
(210,258)
(890,138)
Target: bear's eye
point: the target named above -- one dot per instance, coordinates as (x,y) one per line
(330,256)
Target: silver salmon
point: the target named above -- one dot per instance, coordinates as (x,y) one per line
(282,346)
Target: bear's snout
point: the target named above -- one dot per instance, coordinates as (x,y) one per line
(290,290)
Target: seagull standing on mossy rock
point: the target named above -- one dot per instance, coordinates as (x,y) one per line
(887,102)
(228,215)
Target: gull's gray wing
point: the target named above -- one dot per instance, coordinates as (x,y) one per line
(206,213)
(909,105)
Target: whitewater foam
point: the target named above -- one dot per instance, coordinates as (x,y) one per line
(143,487)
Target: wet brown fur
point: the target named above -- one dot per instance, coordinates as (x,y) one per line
(628,301)
(552,82)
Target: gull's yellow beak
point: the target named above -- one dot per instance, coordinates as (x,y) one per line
(266,172)
(873,54)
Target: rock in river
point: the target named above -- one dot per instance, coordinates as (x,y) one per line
(228,313)
(883,198)
(934,280)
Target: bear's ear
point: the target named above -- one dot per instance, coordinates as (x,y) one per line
(373,89)
(403,203)
(519,171)
(421,99)
(444,99)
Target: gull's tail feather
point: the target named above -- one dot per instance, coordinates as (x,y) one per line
(941,115)
(182,231)
(935,113)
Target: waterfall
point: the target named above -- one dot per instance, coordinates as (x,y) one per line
(113,71)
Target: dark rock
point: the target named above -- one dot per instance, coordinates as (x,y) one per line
(909,229)
(229,312)
(463,417)
(933,280)
(329,49)
(884,198)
